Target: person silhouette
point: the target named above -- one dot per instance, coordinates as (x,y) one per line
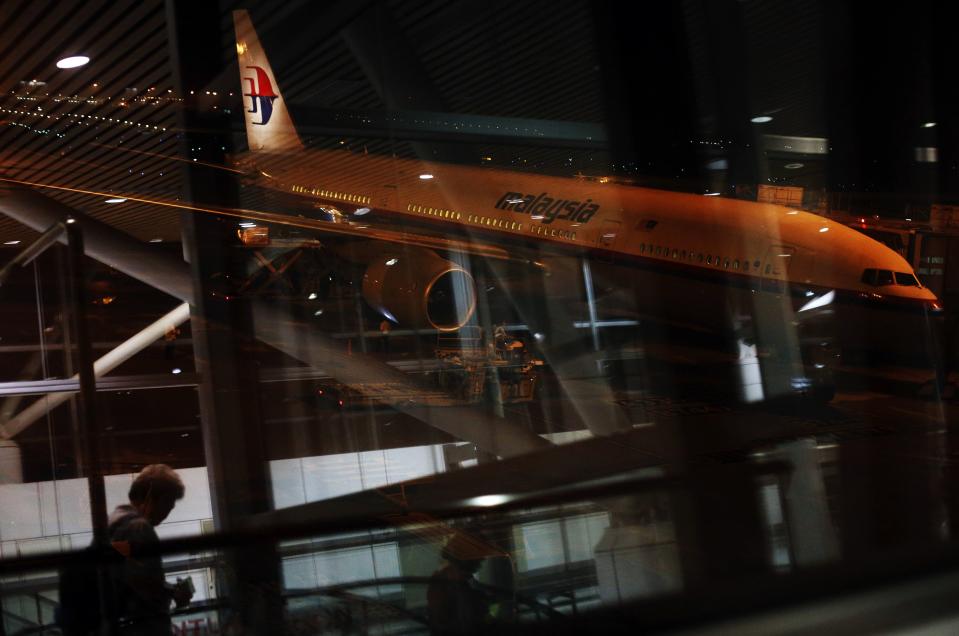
(456,604)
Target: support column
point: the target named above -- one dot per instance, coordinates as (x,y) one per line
(11,462)
(222,330)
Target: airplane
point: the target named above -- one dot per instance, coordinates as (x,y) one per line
(789,284)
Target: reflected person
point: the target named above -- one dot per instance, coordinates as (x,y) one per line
(456,604)
(143,595)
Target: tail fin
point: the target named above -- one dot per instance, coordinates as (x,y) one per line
(268,124)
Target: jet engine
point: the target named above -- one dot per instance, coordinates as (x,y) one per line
(419,288)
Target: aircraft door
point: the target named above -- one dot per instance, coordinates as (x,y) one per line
(774,268)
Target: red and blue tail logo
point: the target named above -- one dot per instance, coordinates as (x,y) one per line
(261,95)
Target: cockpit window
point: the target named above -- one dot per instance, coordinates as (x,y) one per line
(883,277)
(907,279)
(879,277)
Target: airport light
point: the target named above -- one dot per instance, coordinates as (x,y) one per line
(486,501)
(761,119)
(73,61)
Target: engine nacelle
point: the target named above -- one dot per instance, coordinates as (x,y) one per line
(418,288)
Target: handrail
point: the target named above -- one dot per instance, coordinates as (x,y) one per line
(491,590)
(255,535)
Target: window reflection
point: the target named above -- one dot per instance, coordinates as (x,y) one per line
(435,316)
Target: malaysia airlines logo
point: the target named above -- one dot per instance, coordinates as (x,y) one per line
(261,95)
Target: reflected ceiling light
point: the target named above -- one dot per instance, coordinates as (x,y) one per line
(71,221)
(73,61)
(247,224)
(793,166)
(761,119)
(823,229)
(792,213)
(929,124)
(487,500)
(426,176)
(822,301)
(176,371)
(156,240)
(712,194)
(115,200)
(318,312)
(312,296)
(361,211)
(12,243)
(392,262)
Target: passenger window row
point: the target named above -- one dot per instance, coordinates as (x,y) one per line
(880,277)
(700,257)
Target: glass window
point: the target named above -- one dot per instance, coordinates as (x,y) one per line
(907,279)
(390,258)
(884,277)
